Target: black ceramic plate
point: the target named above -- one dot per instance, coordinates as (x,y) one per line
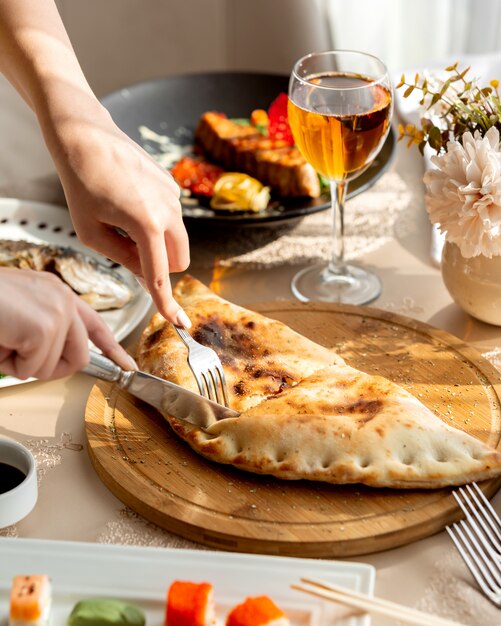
(171,107)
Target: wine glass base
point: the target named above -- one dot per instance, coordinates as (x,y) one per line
(354,286)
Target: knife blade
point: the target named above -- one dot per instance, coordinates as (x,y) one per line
(163,395)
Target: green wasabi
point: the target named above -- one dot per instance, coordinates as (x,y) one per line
(104,612)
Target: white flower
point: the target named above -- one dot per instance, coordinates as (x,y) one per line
(464,193)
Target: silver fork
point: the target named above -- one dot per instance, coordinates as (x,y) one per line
(206,368)
(478,540)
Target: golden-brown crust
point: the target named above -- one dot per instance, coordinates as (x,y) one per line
(260,356)
(369,431)
(330,422)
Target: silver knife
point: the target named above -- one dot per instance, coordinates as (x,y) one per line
(165,396)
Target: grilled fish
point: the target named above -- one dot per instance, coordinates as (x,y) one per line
(98,285)
(244,149)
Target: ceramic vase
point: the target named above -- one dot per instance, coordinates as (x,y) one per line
(474,283)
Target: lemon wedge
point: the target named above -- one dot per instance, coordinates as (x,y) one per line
(239,192)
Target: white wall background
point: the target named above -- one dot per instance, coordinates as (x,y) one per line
(120,42)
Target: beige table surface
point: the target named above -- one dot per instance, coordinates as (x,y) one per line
(387,230)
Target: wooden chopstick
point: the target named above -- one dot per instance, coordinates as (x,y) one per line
(404,614)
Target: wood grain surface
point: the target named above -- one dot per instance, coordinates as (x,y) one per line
(143,463)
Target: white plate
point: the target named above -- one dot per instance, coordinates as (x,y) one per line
(143,575)
(38,222)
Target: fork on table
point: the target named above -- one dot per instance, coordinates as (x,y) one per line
(478,540)
(206,367)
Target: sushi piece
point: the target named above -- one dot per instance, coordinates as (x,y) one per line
(30,601)
(106,612)
(257,611)
(95,283)
(190,604)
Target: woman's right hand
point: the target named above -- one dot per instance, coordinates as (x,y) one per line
(111,184)
(45,328)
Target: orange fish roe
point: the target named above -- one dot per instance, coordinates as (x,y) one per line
(189,604)
(258,611)
(197,175)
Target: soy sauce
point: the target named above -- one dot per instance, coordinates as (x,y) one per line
(10,477)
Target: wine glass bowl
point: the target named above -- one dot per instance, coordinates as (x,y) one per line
(340,108)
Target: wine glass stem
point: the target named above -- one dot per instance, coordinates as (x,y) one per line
(338,195)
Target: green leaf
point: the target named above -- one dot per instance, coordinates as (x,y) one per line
(408,91)
(445,86)
(434,100)
(241,121)
(324,182)
(451,68)
(435,138)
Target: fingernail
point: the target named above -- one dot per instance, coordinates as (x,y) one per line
(133,364)
(142,282)
(182,319)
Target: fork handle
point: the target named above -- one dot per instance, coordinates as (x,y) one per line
(105,369)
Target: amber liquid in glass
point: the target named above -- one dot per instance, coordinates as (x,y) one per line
(340,133)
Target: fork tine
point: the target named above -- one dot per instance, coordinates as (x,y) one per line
(490,514)
(474,510)
(222,379)
(199,380)
(206,367)
(207,385)
(495,574)
(471,564)
(215,395)
(487,547)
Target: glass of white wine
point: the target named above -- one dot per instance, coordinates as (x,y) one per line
(340,108)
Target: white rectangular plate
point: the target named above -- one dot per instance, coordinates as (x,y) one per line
(143,575)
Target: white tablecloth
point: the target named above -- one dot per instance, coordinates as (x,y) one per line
(388,230)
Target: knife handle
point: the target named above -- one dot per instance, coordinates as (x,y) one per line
(105,369)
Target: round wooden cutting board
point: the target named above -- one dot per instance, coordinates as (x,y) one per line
(143,462)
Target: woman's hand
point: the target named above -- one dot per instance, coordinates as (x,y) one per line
(111,183)
(45,328)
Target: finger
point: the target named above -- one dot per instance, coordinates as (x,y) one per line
(178,248)
(102,337)
(120,249)
(53,356)
(75,354)
(7,362)
(155,264)
(30,359)
(4,354)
